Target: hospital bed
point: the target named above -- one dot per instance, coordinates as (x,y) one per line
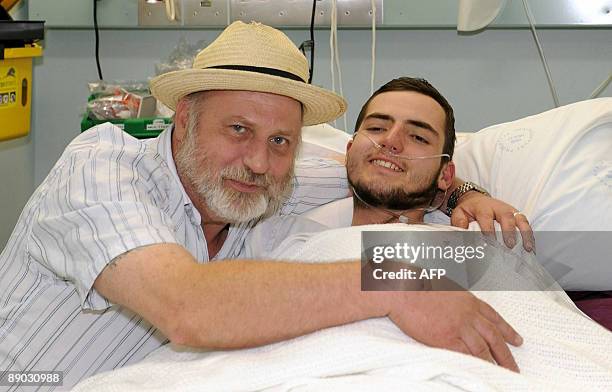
(556,168)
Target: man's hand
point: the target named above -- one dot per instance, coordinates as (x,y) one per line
(458,321)
(474,206)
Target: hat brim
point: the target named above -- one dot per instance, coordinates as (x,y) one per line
(320,105)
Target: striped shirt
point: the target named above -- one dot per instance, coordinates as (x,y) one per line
(108,193)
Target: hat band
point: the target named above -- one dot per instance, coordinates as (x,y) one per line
(263,70)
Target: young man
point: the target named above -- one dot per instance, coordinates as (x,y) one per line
(398,167)
(109,258)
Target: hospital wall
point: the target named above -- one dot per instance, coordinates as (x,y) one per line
(490,77)
(16,168)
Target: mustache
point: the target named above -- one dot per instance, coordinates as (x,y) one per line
(244,174)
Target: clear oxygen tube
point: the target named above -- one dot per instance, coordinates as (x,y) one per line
(406,157)
(400,216)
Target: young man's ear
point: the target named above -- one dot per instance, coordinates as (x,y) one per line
(348,147)
(447,175)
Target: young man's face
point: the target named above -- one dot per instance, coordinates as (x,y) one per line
(405,123)
(236,151)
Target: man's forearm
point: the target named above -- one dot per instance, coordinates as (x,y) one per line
(237,304)
(250,303)
(234,304)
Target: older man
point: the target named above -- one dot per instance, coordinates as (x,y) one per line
(109,258)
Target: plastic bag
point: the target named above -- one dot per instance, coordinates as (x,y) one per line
(116,99)
(181,57)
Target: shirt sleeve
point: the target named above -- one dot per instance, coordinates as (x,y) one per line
(317,181)
(101,202)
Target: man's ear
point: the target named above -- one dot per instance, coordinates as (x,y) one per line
(447,175)
(181,115)
(348,147)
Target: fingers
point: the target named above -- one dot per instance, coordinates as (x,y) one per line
(485,221)
(495,344)
(509,334)
(477,345)
(459,218)
(485,341)
(460,347)
(526,232)
(507,221)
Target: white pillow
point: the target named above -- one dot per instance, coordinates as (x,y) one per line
(556,167)
(323,141)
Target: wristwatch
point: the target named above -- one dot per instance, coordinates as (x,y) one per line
(460,191)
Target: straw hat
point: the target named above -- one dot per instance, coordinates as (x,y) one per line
(251,57)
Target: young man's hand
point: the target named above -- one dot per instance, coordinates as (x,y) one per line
(474,206)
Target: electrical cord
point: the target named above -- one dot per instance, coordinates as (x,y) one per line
(373,71)
(335,54)
(331,47)
(541,52)
(310,44)
(96,30)
(598,90)
(601,87)
(312,40)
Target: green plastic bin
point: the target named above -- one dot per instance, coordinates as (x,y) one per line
(140,128)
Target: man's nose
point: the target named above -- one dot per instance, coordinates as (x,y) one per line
(392,139)
(256,157)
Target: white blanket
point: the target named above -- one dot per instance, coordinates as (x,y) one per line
(563,351)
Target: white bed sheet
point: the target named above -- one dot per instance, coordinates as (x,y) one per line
(563,351)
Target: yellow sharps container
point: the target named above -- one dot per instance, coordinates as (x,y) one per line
(17,50)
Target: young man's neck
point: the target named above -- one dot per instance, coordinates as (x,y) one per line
(365,215)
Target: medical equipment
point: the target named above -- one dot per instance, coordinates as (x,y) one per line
(373,51)
(310,44)
(387,152)
(97,35)
(553,90)
(401,217)
(335,54)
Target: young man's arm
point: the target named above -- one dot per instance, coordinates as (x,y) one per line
(242,303)
(476,206)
